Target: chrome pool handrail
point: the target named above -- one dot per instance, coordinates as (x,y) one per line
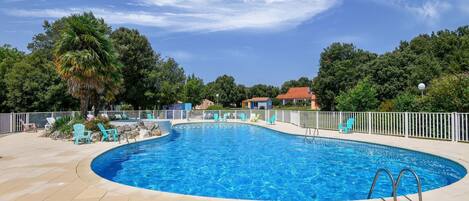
(417,179)
(378,172)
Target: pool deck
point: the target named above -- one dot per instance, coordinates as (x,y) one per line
(34,168)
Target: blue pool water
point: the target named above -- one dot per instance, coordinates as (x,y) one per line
(242,161)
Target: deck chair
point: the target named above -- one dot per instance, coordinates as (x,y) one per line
(254,118)
(347,127)
(28,126)
(79,134)
(107,133)
(150,116)
(242,116)
(272,119)
(225,117)
(50,123)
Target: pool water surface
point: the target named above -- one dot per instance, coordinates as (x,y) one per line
(231,160)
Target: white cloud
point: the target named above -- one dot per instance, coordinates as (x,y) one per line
(203,15)
(430,11)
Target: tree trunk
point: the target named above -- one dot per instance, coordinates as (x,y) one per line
(84,106)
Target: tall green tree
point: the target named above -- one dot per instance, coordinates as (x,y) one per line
(137,58)
(85,58)
(8,57)
(362,97)
(165,84)
(193,90)
(340,69)
(301,82)
(227,90)
(262,90)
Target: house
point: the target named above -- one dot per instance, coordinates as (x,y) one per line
(299,95)
(204,105)
(258,103)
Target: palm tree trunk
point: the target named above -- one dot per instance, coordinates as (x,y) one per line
(84,106)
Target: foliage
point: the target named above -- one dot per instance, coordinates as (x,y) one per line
(362,97)
(64,126)
(8,57)
(406,102)
(227,90)
(215,107)
(37,78)
(449,93)
(386,106)
(262,90)
(125,106)
(339,70)
(137,58)
(193,90)
(85,58)
(164,85)
(301,82)
(92,124)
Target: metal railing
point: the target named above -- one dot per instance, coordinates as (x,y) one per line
(441,126)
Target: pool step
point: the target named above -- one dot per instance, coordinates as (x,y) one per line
(395,184)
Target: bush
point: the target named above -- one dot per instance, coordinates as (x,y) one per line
(362,97)
(125,106)
(92,125)
(448,93)
(407,102)
(215,107)
(386,106)
(64,126)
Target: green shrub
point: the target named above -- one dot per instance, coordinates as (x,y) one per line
(92,125)
(362,97)
(64,126)
(215,107)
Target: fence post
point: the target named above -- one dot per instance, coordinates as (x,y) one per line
(283,116)
(369,122)
(182,114)
(236,114)
(340,117)
(299,118)
(317,119)
(266,113)
(139,114)
(27,118)
(11,122)
(406,124)
(453,127)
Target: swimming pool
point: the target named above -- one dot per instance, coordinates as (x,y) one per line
(231,160)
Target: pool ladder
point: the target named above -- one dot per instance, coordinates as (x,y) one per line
(395,184)
(311,134)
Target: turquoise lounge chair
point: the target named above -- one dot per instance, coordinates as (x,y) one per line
(79,134)
(347,127)
(242,116)
(216,117)
(108,132)
(150,116)
(225,117)
(272,119)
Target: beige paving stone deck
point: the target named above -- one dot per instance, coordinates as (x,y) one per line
(34,168)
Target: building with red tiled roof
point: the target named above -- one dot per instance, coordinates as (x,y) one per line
(257,103)
(299,94)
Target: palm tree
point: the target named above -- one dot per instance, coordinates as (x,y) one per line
(86,60)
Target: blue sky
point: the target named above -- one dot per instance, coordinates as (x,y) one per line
(256,41)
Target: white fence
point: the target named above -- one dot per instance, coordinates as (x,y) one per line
(441,126)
